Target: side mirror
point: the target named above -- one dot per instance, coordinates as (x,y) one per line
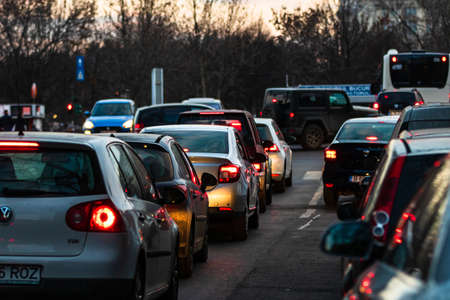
(267,144)
(207,180)
(346,211)
(173,195)
(348,239)
(87,113)
(291,139)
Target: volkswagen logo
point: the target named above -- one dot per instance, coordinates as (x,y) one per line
(6,214)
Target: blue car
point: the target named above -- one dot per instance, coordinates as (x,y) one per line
(110,115)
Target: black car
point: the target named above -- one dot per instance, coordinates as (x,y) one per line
(245,124)
(392,103)
(423,117)
(416,264)
(175,178)
(353,154)
(398,176)
(312,116)
(163,114)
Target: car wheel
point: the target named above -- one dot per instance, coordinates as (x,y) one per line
(187,263)
(253,222)
(269,195)
(202,255)
(330,196)
(289,179)
(313,137)
(172,292)
(138,290)
(240,227)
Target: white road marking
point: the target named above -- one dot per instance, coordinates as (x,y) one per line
(314,201)
(308,223)
(312,175)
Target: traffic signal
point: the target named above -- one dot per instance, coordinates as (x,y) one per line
(69,107)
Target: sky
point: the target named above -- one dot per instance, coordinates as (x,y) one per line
(263,7)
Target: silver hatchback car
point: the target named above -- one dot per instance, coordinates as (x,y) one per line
(79,214)
(219,150)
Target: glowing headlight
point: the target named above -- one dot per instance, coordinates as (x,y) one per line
(128,124)
(88,125)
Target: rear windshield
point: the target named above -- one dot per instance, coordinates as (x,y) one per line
(163,115)
(213,105)
(422,124)
(112,109)
(366,131)
(213,118)
(397,98)
(199,141)
(157,161)
(264,132)
(49,172)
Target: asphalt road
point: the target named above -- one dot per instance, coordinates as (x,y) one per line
(280,260)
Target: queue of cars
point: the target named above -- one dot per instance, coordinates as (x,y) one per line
(394,230)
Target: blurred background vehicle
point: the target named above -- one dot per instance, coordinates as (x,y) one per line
(110,115)
(162,114)
(78,205)
(220,150)
(354,154)
(244,123)
(177,181)
(280,153)
(393,102)
(214,103)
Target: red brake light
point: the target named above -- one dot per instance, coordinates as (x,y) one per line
(386,96)
(225,209)
(274,148)
(274,100)
(229,173)
(330,154)
(371,138)
(260,113)
(138,127)
(418,103)
(212,113)
(257,166)
(96,216)
(394,59)
(291,115)
(12,145)
(376,106)
(237,125)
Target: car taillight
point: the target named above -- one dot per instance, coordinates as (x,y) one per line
(385,200)
(257,166)
(376,106)
(330,155)
(138,127)
(418,103)
(371,138)
(236,125)
(274,148)
(96,216)
(229,173)
(291,115)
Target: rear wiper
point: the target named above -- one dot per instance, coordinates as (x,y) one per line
(13,192)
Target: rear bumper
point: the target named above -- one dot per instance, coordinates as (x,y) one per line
(230,195)
(341,180)
(215,215)
(278,166)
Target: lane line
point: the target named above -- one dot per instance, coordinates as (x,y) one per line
(314,201)
(309,222)
(312,175)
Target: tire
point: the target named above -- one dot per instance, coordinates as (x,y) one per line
(269,195)
(186,264)
(138,290)
(330,196)
(262,202)
(172,292)
(281,186)
(253,221)
(202,255)
(313,137)
(289,179)
(240,227)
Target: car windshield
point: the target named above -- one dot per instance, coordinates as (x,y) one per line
(366,131)
(264,132)
(199,141)
(49,172)
(396,98)
(157,161)
(112,109)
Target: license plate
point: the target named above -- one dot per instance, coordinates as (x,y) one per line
(20,275)
(356,179)
(394,112)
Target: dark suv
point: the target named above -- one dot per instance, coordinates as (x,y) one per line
(393,102)
(312,116)
(243,122)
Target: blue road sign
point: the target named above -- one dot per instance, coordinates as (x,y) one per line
(80,74)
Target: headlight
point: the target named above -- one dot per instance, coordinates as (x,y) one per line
(128,124)
(88,125)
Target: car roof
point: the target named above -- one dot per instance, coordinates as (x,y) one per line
(115,100)
(266,121)
(434,111)
(425,133)
(206,107)
(381,119)
(59,137)
(201,100)
(217,112)
(133,137)
(192,127)
(429,145)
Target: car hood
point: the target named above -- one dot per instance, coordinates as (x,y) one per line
(112,121)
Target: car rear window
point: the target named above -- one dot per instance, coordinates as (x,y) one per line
(199,141)
(49,173)
(428,124)
(366,131)
(112,109)
(161,115)
(396,98)
(264,132)
(156,160)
